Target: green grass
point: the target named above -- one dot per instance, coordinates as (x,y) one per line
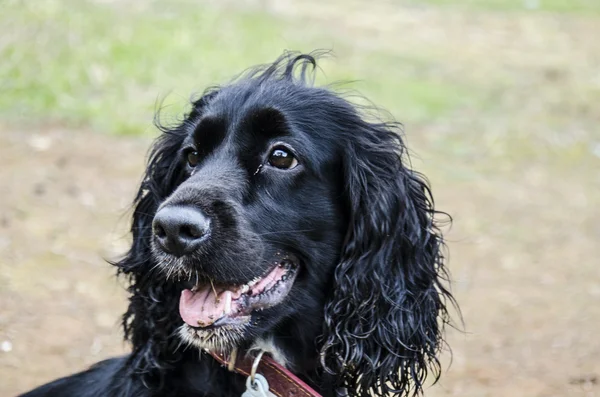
(106,67)
(570,6)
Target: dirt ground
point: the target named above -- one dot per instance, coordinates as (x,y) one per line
(530,301)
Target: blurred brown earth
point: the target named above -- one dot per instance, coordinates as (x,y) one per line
(528,288)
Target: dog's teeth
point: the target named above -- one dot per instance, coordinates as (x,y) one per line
(253,282)
(227,296)
(245,288)
(195,288)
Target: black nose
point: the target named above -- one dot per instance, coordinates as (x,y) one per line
(179,230)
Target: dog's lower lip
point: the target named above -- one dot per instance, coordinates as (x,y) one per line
(230,321)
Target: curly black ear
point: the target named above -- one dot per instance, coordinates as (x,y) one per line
(384,323)
(149,322)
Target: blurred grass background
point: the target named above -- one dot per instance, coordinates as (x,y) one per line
(121,58)
(501,103)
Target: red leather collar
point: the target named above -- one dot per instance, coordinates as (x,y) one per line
(282,382)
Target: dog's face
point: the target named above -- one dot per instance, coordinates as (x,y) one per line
(277,211)
(257,218)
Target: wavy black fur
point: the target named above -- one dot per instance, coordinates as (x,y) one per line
(368,309)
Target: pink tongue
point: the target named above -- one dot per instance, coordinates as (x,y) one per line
(202,308)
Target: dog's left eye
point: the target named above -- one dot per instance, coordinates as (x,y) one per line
(282,158)
(193,158)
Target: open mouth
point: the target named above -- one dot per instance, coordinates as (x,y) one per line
(209,305)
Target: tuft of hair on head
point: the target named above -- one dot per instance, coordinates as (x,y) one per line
(291,66)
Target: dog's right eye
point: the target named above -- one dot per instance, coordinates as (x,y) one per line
(282,158)
(193,158)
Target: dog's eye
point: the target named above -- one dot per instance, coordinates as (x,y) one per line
(193,158)
(282,158)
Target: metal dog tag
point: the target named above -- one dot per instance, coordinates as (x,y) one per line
(260,388)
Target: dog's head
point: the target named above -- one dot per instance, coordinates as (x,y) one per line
(276,211)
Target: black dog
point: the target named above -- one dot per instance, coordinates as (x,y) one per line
(276,217)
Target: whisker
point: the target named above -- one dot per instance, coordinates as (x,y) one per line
(286,231)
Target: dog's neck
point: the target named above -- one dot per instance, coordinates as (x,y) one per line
(189,378)
(273,376)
